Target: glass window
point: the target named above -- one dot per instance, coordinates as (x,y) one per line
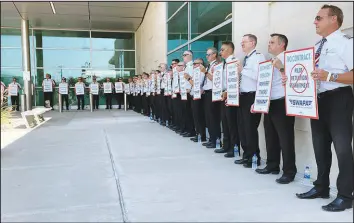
(10,37)
(172,7)
(206,15)
(178,29)
(8,73)
(57,74)
(176,55)
(62,39)
(112,41)
(64,58)
(213,39)
(11,57)
(113,59)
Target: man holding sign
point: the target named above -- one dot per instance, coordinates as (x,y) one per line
(94,90)
(247,122)
(64,93)
(278,127)
(48,85)
(228,113)
(334,58)
(13,92)
(80,93)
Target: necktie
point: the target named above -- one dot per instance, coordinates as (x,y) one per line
(317,59)
(205,80)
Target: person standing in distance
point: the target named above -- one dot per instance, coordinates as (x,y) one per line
(334,57)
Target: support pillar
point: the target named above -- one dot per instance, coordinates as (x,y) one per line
(26,63)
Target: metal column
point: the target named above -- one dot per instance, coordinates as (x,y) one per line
(26,63)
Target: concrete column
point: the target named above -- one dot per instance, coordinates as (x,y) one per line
(26,63)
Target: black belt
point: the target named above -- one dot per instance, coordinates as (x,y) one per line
(247,93)
(207,90)
(326,93)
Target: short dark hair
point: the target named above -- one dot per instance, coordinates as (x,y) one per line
(158,71)
(335,11)
(175,60)
(282,39)
(252,37)
(229,44)
(190,51)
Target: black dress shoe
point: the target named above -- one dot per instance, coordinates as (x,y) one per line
(222,150)
(206,143)
(314,193)
(183,133)
(267,170)
(189,135)
(241,161)
(249,164)
(229,155)
(211,146)
(284,179)
(203,139)
(194,139)
(338,205)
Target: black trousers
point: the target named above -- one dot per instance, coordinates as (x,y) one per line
(163,106)
(152,105)
(335,110)
(280,137)
(120,99)
(15,103)
(108,100)
(214,111)
(130,102)
(65,98)
(95,101)
(174,102)
(248,126)
(48,96)
(199,116)
(179,113)
(187,115)
(80,102)
(144,103)
(169,110)
(206,107)
(230,127)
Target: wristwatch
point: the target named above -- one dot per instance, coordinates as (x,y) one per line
(334,77)
(281,70)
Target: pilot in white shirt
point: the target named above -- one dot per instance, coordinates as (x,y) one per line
(248,122)
(334,57)
(278,127)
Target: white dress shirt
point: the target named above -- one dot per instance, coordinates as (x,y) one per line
(164,80)
(278,90)
(189,70)
(250,72)
(208,84)
(336,57)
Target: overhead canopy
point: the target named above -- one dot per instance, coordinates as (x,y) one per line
(124,16)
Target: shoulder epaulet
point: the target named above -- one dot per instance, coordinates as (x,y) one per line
(347,36)
(258,53)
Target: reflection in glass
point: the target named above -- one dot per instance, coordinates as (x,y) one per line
(10,37)
(213,39)
(178,29)
(7,74)
(57,74)
(172,8)
(206,15)
(64,58)
(113,59)
(62,39)
(112,41)
(176,55)
(11,57)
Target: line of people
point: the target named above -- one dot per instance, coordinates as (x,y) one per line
(181,98)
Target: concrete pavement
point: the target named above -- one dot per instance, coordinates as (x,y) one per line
(110,166)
